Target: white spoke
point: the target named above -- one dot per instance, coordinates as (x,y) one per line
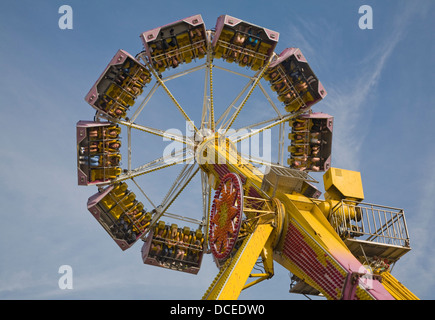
(224,115)
(185,72)
(275,122)
(157,164)
(180,109)
(149,200)
(235,72)
(269,99)
(183,218)
(184,178)
(158,132)
(144,102)
(242,104)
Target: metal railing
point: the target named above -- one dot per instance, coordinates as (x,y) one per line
(370,222)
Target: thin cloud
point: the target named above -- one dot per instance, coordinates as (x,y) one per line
(350,99)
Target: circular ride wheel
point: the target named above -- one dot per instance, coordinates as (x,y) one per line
(226,216)
(221,218)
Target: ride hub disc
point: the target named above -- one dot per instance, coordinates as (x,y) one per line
(226,216)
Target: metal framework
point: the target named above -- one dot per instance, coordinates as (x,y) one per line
(208,122)
(372,230)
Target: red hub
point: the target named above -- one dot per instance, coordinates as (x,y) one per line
(226,216)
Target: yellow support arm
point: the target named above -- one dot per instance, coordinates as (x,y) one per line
(233,275)
(395,288)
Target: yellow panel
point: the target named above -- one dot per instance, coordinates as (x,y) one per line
(343,184)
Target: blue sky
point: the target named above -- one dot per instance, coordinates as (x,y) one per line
(379,83)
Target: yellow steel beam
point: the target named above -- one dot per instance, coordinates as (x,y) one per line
(265,277)
(233,275)
(395,288)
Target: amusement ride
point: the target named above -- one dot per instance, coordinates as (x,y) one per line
(255,212)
